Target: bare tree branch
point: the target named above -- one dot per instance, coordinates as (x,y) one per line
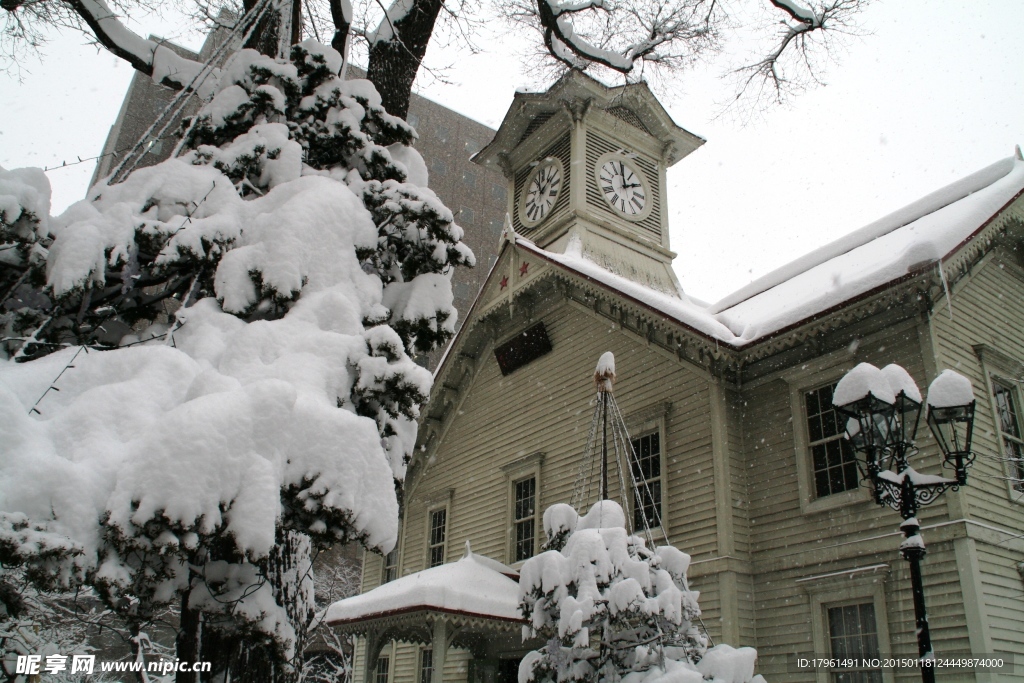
(803,42)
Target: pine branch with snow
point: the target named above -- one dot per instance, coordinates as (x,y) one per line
(612,609)
(258,395)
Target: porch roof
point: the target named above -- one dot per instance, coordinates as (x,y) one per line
(474,589)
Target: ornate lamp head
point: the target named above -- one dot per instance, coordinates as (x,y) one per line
(907,406)
(864,396)
(951,420)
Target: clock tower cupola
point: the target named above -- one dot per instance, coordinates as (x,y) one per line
(586,165)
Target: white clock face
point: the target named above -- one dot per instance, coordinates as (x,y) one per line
(622,188)
(541,192)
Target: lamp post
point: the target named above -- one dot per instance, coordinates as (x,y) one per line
(883,408)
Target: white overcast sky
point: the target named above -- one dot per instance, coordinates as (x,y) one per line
(932,92)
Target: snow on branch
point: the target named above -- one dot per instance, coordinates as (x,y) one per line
(800,47)
(620,35)
(155,60)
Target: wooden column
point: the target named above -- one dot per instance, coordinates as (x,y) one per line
(372,653)
(439,644)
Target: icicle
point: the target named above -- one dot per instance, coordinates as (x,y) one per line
(945,288)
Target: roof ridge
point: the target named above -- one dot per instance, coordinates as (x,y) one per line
(916,210)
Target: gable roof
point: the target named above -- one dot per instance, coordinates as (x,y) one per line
(907,241)
(578,87)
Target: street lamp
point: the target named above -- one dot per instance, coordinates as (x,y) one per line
(883,408)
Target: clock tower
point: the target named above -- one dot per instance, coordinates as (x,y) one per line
(586,164)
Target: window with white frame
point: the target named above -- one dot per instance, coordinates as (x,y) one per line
(847,620)
(380,674)
(436,536)
(522,481)
(524,518)
(853,635)
(1008,420)
(833,465)
(390,572)
(646,466)
(426,665)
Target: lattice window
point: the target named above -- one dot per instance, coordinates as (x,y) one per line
(1008,417)
(380,674)
(438,522)
(426,665)
(647,474)
(524,513)
(390,566)
(853,634)
(832,456)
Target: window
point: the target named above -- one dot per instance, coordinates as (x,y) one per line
(498,191)
(466,215)
(1008,418)
(647,475)
(438,167)
(380,674)
(390,566)
(853,633)
(412,120)
(469,179)
(847,611)
(426,665)
(522,483)
(832,457)
(524,518)
(435,552)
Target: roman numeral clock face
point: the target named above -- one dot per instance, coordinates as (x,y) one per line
(622,187)
(541,192)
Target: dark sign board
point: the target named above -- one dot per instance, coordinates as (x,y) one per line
(523,348)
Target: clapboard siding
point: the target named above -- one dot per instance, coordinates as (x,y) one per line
(1003,591)
(788,545)
(739,476)
(780,548)
(778,526)
(986,309)
(551,398)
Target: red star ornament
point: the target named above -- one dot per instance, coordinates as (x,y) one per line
(523,268)
(504,282)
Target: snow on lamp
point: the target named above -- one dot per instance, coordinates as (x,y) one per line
(865,397)
(951,420)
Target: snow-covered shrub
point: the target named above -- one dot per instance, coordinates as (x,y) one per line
(612,609)
(260,302)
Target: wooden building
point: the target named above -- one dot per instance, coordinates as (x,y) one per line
(728,404)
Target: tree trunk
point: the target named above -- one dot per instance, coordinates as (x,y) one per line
(289,572)
(394,63)
(266,38)
(188,644)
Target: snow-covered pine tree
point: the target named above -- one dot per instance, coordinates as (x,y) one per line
(612,609)
(261,294)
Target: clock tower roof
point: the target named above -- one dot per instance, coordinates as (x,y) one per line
(576,93)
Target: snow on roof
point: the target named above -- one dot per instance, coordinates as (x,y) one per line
(921,233)
(474,585)
(680,309)
(918,235)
